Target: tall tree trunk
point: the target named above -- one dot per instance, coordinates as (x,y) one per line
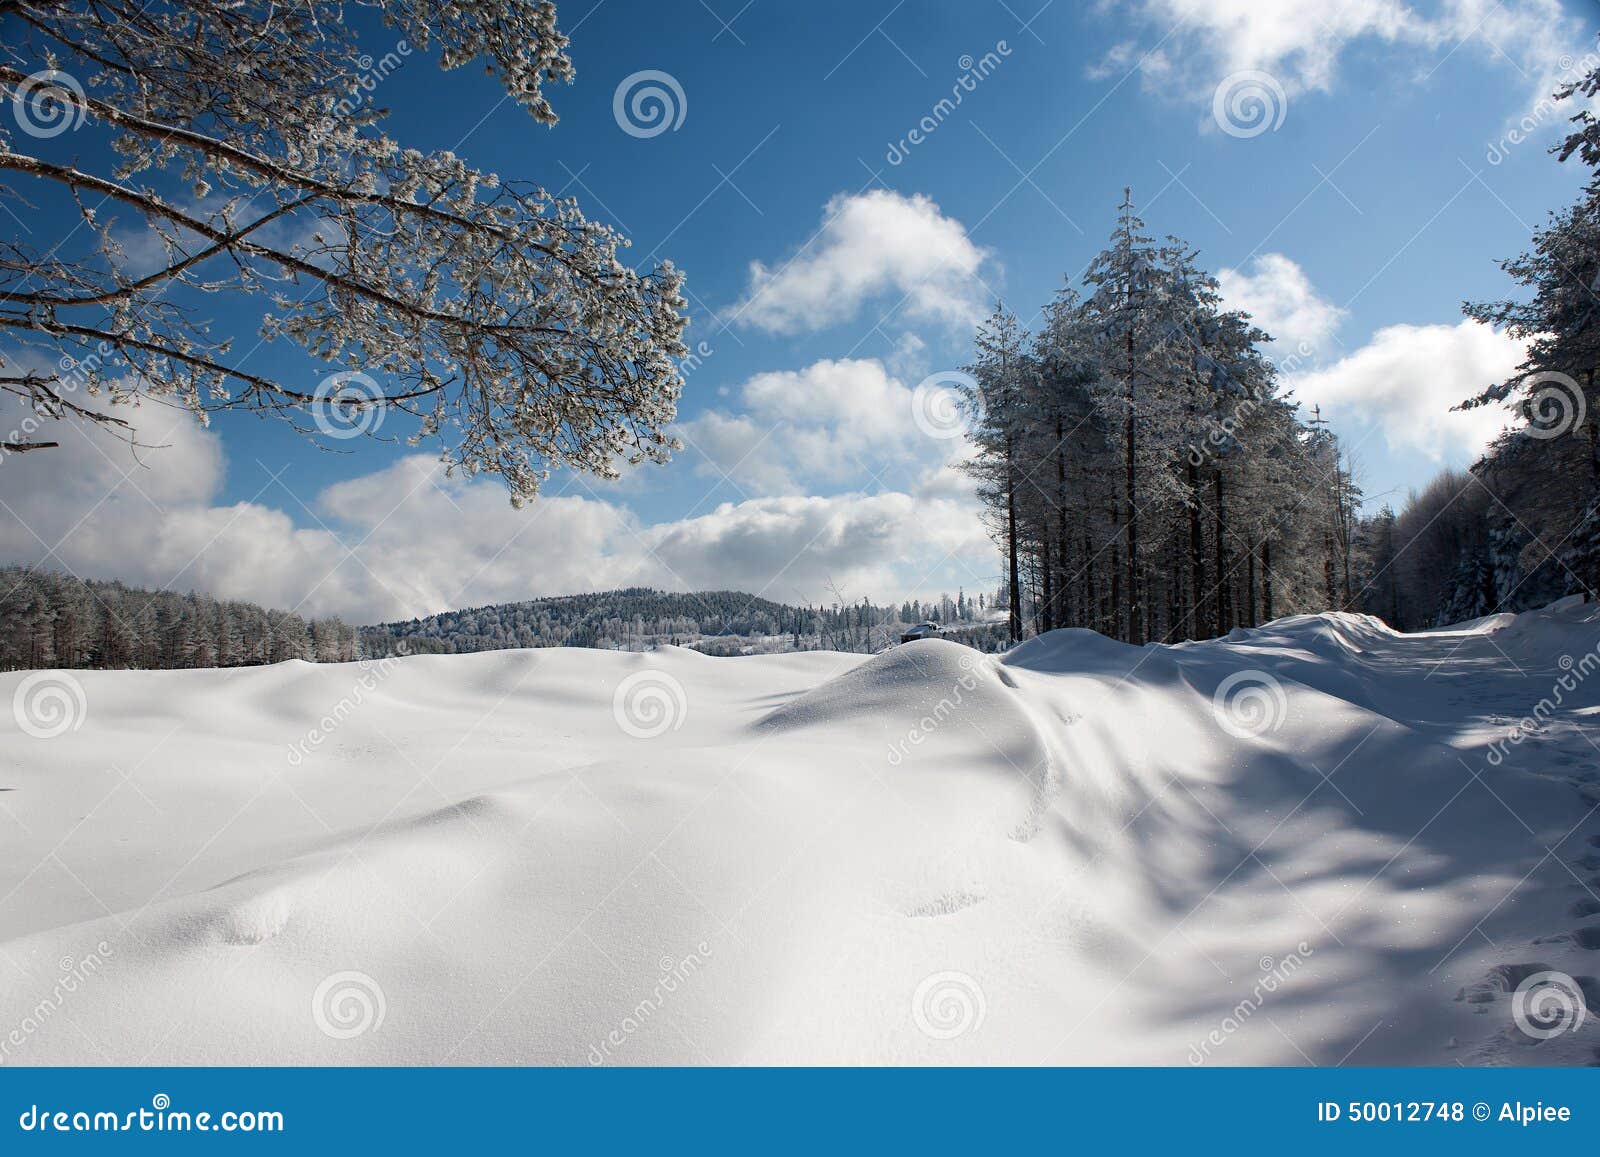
(1014,621)
(1331,589)
(1266,578)
(1592,585)
(1197,558)
(1177,594)
(1346,530)
(1047,591)
(1250,585)
(1135,622)
(1348,544)
(1061,518)
(1224,606)
(1092,616)
(1116,592)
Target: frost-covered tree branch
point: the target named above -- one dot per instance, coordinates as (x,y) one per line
(223,150)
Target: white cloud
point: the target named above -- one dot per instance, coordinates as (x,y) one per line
(1206,40)
(1405,381)
(1276,292)
(834,421)
(405,540)
(871,246)
(795,548)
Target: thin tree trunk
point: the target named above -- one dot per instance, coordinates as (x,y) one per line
(1331,588)
(1197,558)
(1116,592)
(1135,624)
(1061,516)
(1014,621)
(1091,586)
(1347,530)
(1592,586)
(1047,593)
(1224,606)
(1250,585)
(1266,578)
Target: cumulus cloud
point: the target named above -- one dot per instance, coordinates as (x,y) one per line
(1276,292)
(872,246)
(832,422)
(1203,41)
(1404,381)
(796,548)
(405,540)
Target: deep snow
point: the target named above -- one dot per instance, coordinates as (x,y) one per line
(1317,841)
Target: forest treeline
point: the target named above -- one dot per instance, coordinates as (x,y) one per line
(48,619)
(1522,526)
(718,622)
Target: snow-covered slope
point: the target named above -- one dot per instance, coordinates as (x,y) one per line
(1317,841)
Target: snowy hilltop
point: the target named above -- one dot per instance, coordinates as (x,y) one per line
(1317,841)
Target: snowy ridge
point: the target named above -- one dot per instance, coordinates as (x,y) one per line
(1314,841)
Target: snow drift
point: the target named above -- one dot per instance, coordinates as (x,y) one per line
(1319,841)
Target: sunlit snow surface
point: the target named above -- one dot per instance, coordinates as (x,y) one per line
(1318,841)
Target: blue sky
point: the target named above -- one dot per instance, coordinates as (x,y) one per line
(833,265)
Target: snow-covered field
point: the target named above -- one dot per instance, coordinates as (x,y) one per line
(1318,841)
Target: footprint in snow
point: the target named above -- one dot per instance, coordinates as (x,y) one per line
(947,905)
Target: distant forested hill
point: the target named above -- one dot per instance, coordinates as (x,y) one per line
(604,619)
(714,621)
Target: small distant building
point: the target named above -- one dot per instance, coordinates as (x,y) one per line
(921,631)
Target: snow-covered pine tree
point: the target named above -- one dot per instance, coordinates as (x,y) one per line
(999,428)
(1140,471)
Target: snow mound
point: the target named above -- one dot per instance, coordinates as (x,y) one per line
(1317,840)
(902,682)
(1074,649)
